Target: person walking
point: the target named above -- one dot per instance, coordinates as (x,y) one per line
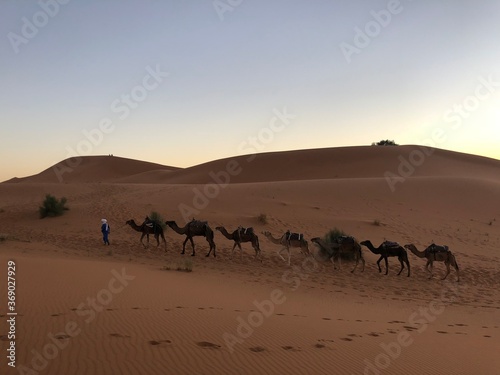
(105,231)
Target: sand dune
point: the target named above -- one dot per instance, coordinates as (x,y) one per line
(244,316)
(328,163)
(92,169)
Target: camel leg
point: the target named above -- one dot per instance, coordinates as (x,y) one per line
(431,267)
(386,265)
(356,265)
(363,261)
(241,250)
(232,250)
(212,247)
(402,266)
(447,270)
(289,255)
(378,263)
(142,241)
(192,245)
(164,241)
(184,245)
(408,265)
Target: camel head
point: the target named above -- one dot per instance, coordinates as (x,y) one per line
(170,223)
(129,222)
(410,247)
(316,240)
(366,243)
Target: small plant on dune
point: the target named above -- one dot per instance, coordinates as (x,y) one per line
(158,219)
(185,266)
(52,207)
(262,218)
(385,142)
(333,236)
(3,237)
(377,222)
(2,210)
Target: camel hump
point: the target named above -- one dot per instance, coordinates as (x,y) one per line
(438,248)
(345,239)
(294,236)
(390,244)
(244,230)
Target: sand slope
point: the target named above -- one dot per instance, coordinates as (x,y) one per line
(328,163)
(322,321)
(92,169)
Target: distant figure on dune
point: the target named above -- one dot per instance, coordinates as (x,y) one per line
(105,231)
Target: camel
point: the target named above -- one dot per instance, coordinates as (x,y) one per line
(345,245)
(146,228)
(289,240)
(242,235)
(436,253)
(389,249)
(192,229)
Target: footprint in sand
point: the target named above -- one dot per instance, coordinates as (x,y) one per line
(280,314)
(461,325)
(209,345)
(373,334)
(290,348)
(257,349)
(4,338)
(486,336)
(442,332)
(319,346)
(346,339)
(58,314)
(410,328)
(326,318)
(62,337)
(159,342)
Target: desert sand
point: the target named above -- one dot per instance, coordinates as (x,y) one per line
(86,308)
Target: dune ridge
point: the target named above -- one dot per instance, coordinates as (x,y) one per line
(327,163)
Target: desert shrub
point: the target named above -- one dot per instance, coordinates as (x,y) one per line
(3,237)
(385,142)
(333,237)
(52,207)
(376,222)
(262,218)
(185,266)
(158,219)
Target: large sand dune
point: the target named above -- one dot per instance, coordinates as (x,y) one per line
(242,316)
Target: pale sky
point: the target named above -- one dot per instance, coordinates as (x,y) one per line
(189,81)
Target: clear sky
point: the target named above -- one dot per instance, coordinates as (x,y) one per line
(188,81)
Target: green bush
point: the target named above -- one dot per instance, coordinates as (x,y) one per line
(333,237)
(262,218)
(385,142)
(158,219)
(51,206)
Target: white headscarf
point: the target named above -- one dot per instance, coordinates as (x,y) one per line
(104,221)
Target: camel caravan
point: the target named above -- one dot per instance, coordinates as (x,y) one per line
(346,246)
